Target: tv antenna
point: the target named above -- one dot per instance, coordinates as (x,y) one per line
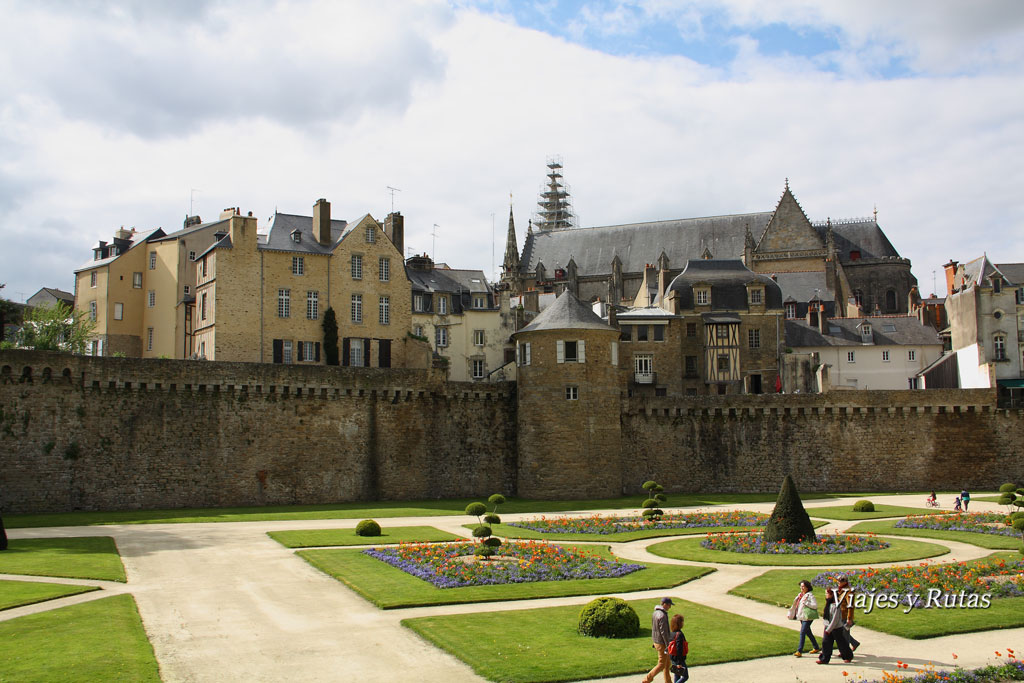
(433,247)
(191,200)
(393,190)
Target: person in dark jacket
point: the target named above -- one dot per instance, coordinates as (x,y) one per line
(835,630)
(660,638)
(679,668)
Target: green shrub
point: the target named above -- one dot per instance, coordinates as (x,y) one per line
(789,520)
(652,511)
(476,509)
(608,618)
(492,519)
(863,506)
(367,527)
(1014,516)
(482,531)
(1008,488)
(496,500)
(650,503)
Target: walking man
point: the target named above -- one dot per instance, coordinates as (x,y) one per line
(846,606)
(661,636)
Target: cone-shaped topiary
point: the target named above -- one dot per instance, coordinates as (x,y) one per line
(608,618)
(789,521)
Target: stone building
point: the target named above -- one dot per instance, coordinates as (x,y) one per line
(569,391)
(849,264)
(261,297)
(468,322)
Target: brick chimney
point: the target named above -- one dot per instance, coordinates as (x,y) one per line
(394,228)
(322,221)
(950,269)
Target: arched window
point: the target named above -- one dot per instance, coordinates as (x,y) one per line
(890,301)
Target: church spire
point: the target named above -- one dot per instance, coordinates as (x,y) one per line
(555,207)
(510,265)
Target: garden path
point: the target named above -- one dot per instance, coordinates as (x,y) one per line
(223,602)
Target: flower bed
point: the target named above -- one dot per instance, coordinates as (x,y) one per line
(741,542)
(597,524)
(1012,670)
(999,578)
(974,522)
(442,564)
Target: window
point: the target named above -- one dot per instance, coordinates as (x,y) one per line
(890,301)
(659,333)
(615,354)
(703,296)
(691,329)
(572,393)
(202,306)
(1020,296)
(152,260)
(92,311)
(385,310)
(118,311)
(478,368)
(371,234)
(756,296)
(691,366)
(298,265)
(151,298)
(479,302)
(137,280)
(296,236)
(643,365)
(308,352)
(202,349)
(92,279)
(357,267)
(570,352)
(851,356)
(149,339)
(384,269)
(417,303)
(313,305)
(284,303)
(721,332)
(997,285)
(754,339)
(357,308)
(417,330)
(999,347)
(94,347)
(790,310)
(912,355)
(191,256)
(355,353)
(641,333)
(478,337)
(286,351)
(188,289)
(912,383)
(442,305)
(627,333)
(723,363)
(441,337)
(204,266)
(885,356)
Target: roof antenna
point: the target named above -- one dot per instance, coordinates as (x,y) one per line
(433,247)
(191,200)
(393,190)
(876,213)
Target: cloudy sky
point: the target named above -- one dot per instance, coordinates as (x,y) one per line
(125,113)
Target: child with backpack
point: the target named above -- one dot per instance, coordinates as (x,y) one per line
(678,648)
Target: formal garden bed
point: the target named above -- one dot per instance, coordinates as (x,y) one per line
(312,538)
(997,574)
(994,523)
(983,540)
(1011,670)
(880,511)
(390,587)
(828,544)
(540,645)
(745,550)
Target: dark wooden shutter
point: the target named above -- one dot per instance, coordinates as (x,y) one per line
(384,353)
(298,352)
(278,350)
(366,353)
(344,351)
(317,359)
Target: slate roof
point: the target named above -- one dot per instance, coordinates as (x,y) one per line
(804,286)
(904,331)
(647,312)
(566,313)
(863,236)
(279,238)
(58,294)
(140,238)
(447,280)
(728,279)
(192,228)
(1013,272)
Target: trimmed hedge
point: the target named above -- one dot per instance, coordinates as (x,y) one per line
(608,618)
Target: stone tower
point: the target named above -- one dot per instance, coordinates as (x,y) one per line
(569,382)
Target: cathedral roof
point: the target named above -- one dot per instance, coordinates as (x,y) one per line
(728,279)
(567,313)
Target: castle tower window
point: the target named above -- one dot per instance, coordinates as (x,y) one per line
(890,301)
(572,393)
(569,351)
(691,329)
(691,366)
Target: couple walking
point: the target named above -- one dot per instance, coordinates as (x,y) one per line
(838,616)
(670,644)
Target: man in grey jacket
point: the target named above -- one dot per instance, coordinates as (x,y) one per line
(661,636)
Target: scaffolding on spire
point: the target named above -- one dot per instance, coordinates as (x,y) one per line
(555,206)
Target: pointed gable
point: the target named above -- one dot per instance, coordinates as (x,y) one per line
(789,229)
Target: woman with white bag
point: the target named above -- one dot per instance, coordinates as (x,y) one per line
(805,608)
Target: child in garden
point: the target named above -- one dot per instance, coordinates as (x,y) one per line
(680,648)
(956,504)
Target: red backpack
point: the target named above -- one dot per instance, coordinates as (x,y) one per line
(679,647)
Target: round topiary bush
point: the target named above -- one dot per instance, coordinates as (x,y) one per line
(863,506)
(492,519)
(476,509)
(1014,516)
(608,618)
(496,499)
(1008,488)
(482,531)
(367,527)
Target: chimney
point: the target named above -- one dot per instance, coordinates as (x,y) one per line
(814,313)
(822,318)
(322,221)
(662,277)
(950,269)
(531,301)
(394,228)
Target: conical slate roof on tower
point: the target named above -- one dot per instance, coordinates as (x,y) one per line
(567,313)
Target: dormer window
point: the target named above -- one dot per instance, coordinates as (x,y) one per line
(865,333)
(756,296)
(790,310)
(997,285)
(702,296)
(296,236)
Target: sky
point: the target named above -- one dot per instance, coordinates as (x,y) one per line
(137,113)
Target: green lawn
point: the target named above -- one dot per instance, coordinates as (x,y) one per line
(898,551)
(309,538)
(19,593)
(506,531)
(76,558)
(530,646)
(990,541)
(389,587)
(101,640)
(845,512)
(374,509)
(779,586)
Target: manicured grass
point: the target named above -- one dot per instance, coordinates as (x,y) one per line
(101,640)
(19,593)
(779,586)
(389,587)
(374,509)
(898,551)
(531,646)
(76,558)
(309,538)
(845,512)
(990,541)
(506,531)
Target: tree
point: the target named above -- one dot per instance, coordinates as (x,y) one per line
(652,506)
(8,313)
(330,327)
(789,522)
(55,328)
